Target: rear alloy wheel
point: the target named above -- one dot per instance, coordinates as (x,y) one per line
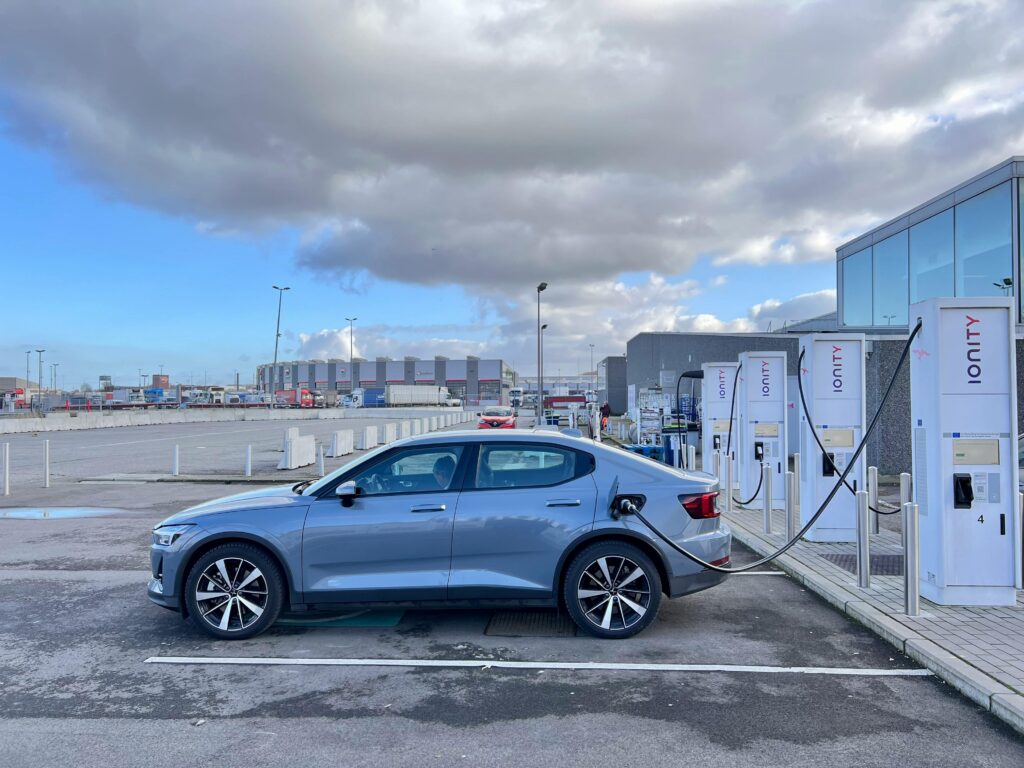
(612,590)
(234,592)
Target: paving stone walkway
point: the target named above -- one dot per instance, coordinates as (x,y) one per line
(980,651)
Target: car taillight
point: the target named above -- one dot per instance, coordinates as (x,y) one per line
(700,506)
(722,562)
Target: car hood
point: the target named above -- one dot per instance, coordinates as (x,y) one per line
(276,496)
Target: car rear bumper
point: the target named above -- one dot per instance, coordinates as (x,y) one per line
(687,584)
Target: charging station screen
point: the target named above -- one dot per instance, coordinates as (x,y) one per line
(976,452)
(766,430)
(837,438)
(720,425)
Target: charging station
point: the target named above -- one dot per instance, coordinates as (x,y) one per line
(761,423)
(832,375)
(963,406)
(716,406)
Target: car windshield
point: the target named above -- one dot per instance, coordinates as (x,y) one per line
(497,412)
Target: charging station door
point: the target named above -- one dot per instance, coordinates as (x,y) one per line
(964,420)
(716,404)
(762,423)
(832,374)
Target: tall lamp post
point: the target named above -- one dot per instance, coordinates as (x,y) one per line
(540,386)
(540,356)
(28,362)
(277,338)
(593,372)
(351,362)
(40,352)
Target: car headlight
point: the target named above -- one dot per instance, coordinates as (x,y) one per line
(168,534)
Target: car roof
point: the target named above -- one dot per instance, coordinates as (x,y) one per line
(485,436)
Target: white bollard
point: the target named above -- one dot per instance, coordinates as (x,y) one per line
(7,469)
(911,561)
(906,495)
(248,461)
(46,464)
(691,458)
(863,541)
(727,488)
(873,496)
(320,460)
(716,466)
(174,462)
(766,495)
(796,473)
(791,525)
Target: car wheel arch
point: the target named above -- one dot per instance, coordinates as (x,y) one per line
(602,535)
(291,596)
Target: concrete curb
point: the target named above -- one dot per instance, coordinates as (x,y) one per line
(981,688)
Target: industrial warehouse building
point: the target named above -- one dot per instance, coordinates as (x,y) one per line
(474,381)
(964,242)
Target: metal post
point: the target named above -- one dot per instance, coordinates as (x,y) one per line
(796,481)
(906,494)
(716,466)
(766,495)
(863,541)
(791,527)
(174,462)
(320,460)
(691,458)
(727,487)
(911,561)
(7,469)
(248,461)
(873,496)
(46,464)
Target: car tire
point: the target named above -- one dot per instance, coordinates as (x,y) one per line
(234,591)
(612,590)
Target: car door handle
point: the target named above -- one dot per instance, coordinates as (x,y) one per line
(563,503)
(428,508)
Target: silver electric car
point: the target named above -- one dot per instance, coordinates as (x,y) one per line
(511,517)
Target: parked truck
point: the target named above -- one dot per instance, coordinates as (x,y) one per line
(294,398)
(397,395)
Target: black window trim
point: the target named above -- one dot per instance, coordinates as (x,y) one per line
(469,475)
(458,480)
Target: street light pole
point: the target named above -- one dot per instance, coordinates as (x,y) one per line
(593,371)
(28,362)
(277,337)
(540,356)
(351,362)
(40,351)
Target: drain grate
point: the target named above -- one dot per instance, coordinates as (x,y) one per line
(881,565)
(540,623)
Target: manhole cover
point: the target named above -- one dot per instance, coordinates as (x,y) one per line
(548,623)
(881,565)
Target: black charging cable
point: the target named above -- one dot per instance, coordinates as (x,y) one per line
(626,504)
(814,434)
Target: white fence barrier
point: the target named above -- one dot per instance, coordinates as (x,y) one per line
(289,434)
(390,433)
(366,438)
(298,452)
(404,429)
(342,443)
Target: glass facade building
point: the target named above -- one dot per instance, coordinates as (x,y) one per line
(965,242)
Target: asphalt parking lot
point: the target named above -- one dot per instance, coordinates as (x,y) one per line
(76,631)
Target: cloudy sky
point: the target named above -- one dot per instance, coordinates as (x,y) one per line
(423,165)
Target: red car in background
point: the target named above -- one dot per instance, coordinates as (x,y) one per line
(497,417)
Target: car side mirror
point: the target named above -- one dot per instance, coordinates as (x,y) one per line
(479,413)
(347,492)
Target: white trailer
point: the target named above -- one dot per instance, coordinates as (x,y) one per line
(415,394)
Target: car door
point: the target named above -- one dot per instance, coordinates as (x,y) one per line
(522,505)
(394,541)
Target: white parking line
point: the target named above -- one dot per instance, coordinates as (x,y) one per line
(490,663)
(760,573)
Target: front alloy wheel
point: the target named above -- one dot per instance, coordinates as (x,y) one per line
(234,592)
(612,590)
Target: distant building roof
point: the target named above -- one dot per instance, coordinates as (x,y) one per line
(821,324)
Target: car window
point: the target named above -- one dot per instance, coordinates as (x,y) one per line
(524,466)
(497,412)
(414,470)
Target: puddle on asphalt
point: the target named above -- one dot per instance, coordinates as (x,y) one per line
(56,513)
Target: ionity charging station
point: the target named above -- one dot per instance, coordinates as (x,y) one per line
(716,406)
(761,423)
(963,408)
(832,375)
